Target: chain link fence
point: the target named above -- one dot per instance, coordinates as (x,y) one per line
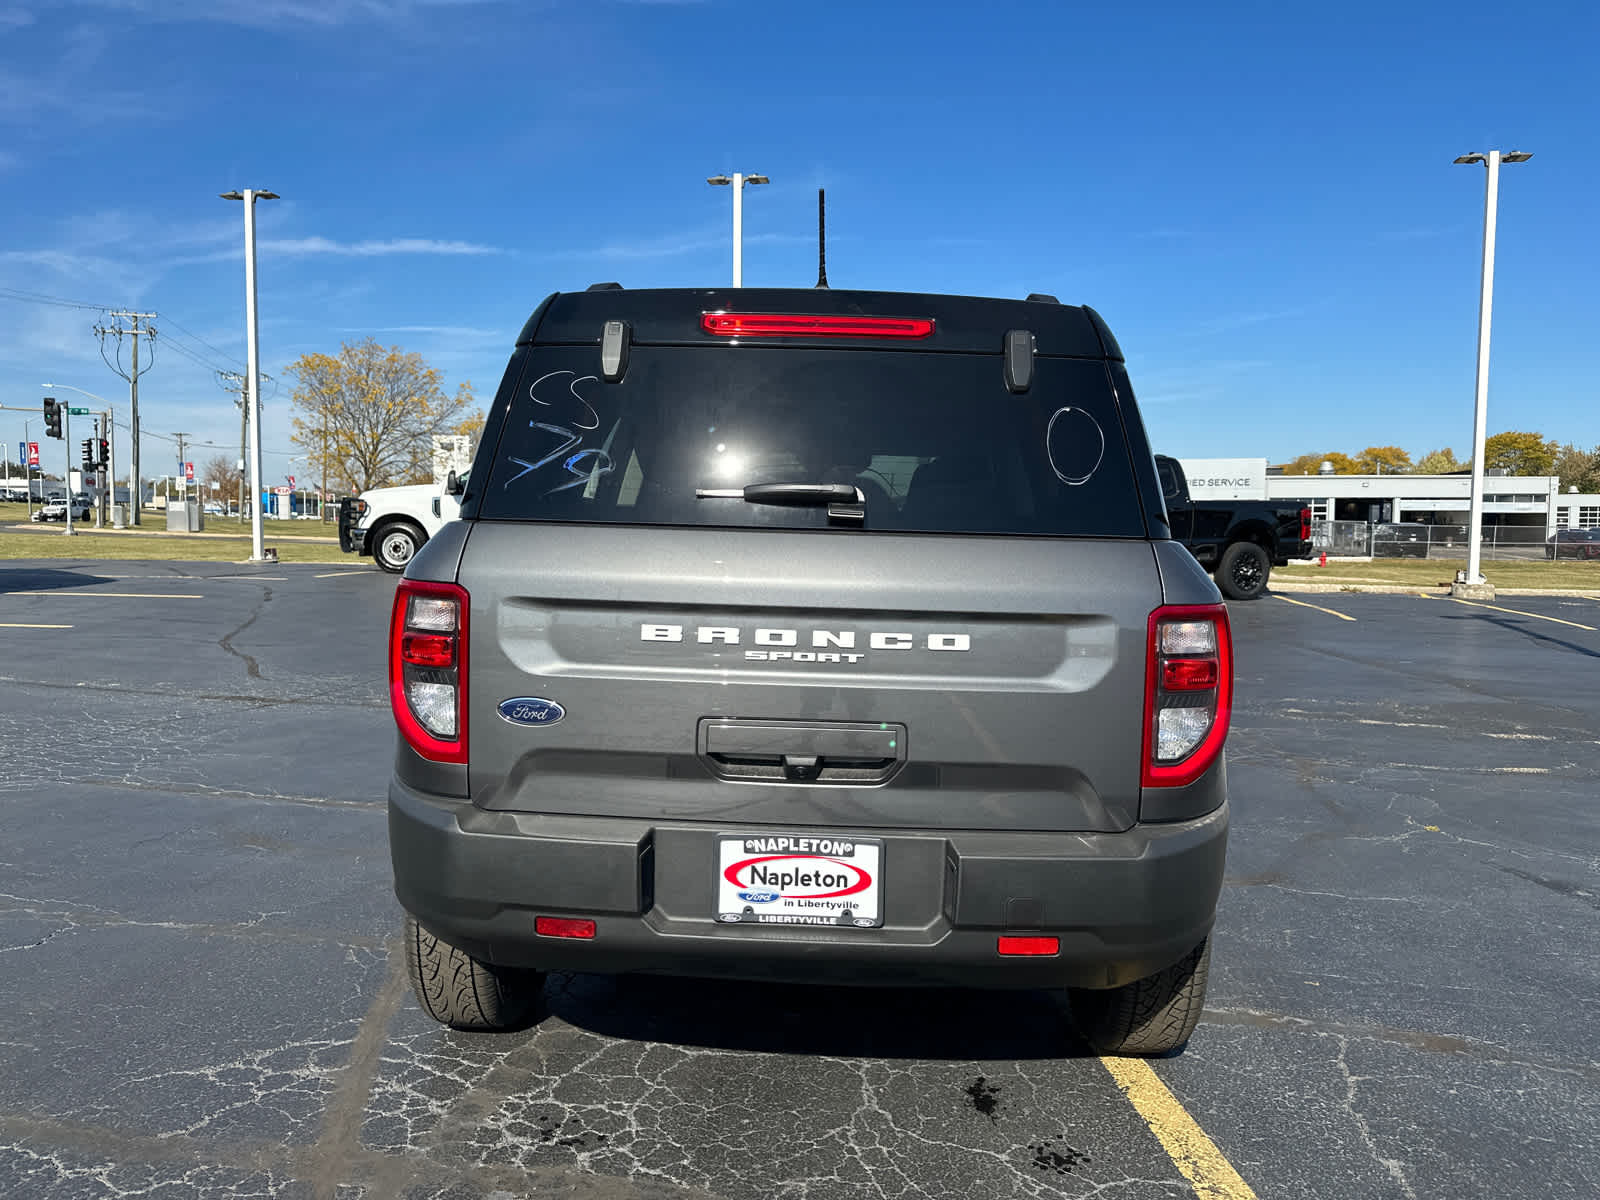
(1523,543)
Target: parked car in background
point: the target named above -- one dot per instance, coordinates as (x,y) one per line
(215,508)
(1401,539)
(56,510)
(1238,541)
(1573,543)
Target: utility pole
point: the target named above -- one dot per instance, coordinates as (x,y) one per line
(182,472)
(233,382)
(138,326)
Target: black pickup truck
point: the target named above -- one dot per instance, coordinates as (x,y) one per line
(1238,541)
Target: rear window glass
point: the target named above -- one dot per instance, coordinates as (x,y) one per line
(935,442)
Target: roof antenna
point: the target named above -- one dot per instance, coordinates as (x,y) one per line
(822,240)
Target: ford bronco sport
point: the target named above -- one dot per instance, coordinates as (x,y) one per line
(817,636)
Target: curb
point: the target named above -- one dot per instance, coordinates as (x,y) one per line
(1411,589)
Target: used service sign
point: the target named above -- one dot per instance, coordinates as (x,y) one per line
(798,879)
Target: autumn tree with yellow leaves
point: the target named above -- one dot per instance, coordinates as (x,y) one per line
(366,417)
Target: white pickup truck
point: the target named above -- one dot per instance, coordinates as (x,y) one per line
(392,523)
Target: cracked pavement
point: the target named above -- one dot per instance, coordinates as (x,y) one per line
(206,998)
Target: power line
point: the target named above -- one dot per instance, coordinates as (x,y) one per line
(189,333)
(39,298)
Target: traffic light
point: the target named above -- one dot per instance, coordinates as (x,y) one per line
(105,454)
(52,417)
(88,454)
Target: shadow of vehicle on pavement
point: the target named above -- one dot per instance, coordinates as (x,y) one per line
(816,1019)
(43,579)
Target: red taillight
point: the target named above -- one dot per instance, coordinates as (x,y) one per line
(428,650)
(1305,524)
(428,668)
(563,927)
(1029,945)
(1188,693)
(1188,674)
(726,324)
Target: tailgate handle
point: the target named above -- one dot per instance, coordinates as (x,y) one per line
(829,752)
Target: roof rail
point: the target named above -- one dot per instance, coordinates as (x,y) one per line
(603,287)
(1042,298)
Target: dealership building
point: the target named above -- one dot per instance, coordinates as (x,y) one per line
(1531,502)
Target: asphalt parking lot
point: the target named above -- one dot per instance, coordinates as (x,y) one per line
(199,963)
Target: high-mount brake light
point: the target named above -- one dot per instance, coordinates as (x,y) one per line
(428,668)
(727,324)
(1188,693)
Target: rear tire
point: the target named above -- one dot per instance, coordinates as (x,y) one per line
(1242,574)
(395,545)
(1153,1015)
(463,992)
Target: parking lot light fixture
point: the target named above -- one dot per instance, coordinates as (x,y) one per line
(253,355)
(737,181)
(1472,577)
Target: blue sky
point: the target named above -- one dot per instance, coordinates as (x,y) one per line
(1258,197)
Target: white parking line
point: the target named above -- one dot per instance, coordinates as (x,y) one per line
(26,625)
(1520,613)
(341,574)
(115,595)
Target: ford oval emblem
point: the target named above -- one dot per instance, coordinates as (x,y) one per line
(531,710)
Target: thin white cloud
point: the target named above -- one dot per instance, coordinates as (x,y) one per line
(279,14)
(668,246)
(373,249)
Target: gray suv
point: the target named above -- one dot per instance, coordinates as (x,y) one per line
(813,636)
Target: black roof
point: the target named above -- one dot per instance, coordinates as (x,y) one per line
(961,323)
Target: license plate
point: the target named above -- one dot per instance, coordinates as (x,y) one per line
(799,879)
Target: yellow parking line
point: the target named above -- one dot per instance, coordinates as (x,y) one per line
(1318,607)
(25,625)
(1518,612)
(1210,1174)
(115,595)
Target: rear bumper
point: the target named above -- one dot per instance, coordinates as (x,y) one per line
(1122,904)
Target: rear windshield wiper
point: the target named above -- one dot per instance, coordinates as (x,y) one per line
(797,495)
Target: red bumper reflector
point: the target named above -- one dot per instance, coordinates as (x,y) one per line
(775,325)
(1029,945)
(1188,674)
(563,927)
(428,649)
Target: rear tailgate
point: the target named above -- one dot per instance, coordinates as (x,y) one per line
(809,679)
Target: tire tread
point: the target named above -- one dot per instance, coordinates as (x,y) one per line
(1153,1015)
(463,992)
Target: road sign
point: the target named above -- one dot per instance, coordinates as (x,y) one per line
(33,454)
(291,481)
(78,412)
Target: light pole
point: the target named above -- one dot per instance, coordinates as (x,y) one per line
(111,443)
(1473,576)
(737,181)
(253,357)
